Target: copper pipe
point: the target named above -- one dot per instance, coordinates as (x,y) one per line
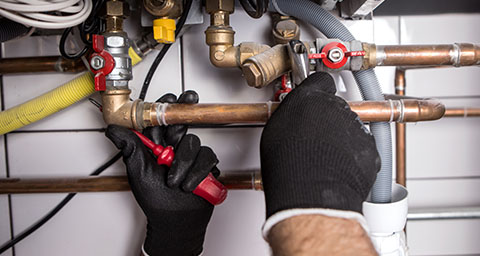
(232,180)
(40,64)
(462,112)
(400,132)
(408,110)
(457,55)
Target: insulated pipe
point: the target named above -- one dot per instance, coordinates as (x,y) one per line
(232,180)
(366,79)
(400,132)
(51,102)
(40,64)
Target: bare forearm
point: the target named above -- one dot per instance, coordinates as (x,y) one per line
(319,235)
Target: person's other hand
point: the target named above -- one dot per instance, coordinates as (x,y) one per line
(177,219)
(316,153)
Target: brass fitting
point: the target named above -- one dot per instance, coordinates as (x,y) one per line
(118,109)
(171,9)
(370,58)
(115,12)
(285,29)
(220,37)
(212,6)
(261,69)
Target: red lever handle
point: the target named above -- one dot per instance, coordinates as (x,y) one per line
(209,189)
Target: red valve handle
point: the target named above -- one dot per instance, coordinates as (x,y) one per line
(98,44)
(209,189)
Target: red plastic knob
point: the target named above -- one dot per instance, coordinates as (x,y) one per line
(211,190)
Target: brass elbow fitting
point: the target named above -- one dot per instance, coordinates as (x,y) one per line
(119,109)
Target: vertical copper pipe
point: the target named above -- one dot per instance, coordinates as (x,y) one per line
(400,132)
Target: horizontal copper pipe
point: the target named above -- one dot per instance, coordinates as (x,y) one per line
(462,112)
(407,110)
(232,180)
(463,54)
(40,64)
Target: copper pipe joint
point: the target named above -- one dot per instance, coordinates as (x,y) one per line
(463,54)
(40,64)
(232,180)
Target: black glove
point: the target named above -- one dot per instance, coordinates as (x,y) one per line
(177,219)
(315,152)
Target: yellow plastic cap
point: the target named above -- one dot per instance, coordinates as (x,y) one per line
(164,30)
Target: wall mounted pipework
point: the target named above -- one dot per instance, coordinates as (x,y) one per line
(40,64)
(118,109)
(260,69)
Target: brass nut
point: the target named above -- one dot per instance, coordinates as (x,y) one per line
(252,74)
(212,6)
(116,8)
(164,8)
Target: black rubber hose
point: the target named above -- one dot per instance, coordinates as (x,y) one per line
(10,30)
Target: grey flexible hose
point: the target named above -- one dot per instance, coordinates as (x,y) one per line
(367,82)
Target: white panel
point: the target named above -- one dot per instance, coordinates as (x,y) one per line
(444,237)
(91,224)
(235,226)
(425,193)
(236,148)
(440,29)
(444,148)
(60,154)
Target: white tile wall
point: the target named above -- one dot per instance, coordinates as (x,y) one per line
(4,209)
(112,223)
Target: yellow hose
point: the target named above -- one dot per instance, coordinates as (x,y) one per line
(51,102)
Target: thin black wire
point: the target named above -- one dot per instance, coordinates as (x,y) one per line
(92,25)
(163,52)
(57,208)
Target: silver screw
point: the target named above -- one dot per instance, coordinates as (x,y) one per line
(97,62)
(335,55)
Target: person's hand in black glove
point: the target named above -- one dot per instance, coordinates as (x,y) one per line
(177,219)
(316,153)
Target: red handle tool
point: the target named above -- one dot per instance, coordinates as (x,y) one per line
(209,189)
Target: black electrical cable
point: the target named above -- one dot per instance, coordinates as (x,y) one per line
(255,9)
(57,208)
(92,25)
(163,51)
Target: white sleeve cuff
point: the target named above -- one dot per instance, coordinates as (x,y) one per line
(143,251)
(285,214)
